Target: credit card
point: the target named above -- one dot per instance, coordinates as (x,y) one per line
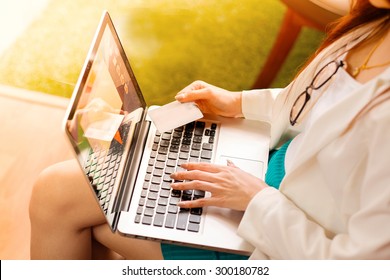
(174,114)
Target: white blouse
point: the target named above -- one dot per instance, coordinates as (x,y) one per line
(335,91)
(334,200)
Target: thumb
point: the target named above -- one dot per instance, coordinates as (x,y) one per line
(193,95)
(230,163)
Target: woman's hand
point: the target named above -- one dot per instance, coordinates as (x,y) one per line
(230,187)
(211,99)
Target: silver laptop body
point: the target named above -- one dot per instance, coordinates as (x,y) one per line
(122,154)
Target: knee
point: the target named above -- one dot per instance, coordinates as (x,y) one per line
(50,194)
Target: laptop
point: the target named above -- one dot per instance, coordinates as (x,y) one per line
(127,162)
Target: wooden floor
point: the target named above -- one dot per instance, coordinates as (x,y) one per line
(30,139)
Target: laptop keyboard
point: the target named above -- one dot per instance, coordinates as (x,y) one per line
(102,166)
(157,206)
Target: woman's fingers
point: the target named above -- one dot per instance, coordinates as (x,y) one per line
(198,203)
(204,172)
(228,186)
(202,166)
(193,185)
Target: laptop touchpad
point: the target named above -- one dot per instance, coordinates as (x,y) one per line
(253,167)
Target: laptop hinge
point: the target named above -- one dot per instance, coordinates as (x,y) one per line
(131,169)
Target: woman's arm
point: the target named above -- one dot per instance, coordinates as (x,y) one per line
(253,104)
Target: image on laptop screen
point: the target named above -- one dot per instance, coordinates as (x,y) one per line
(106,98)
(102,121)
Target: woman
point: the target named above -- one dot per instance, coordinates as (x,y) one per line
(333,202)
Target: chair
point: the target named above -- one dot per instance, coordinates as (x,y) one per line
(300,13)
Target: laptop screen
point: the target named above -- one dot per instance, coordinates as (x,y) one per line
(101,122)
(106,95)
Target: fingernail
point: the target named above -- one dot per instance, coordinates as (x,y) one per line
(230,163)
(180,96)
(181,204)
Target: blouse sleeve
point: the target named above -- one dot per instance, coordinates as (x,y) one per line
(258,104)
(271,106)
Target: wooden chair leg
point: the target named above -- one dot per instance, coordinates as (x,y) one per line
(288,33)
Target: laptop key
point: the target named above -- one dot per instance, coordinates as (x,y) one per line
(176,193)
(171,163)
(163,201)
(174,200)
(169,170)
(162,158)
(174,148)
(154,188)
(147,220)
(170,221)
(195,154)
(182,219)
(185,148)
(207,146)
(195,219)
(164,143)
(172,155)
(145,185)
(160,165)
(152,195)
(158,172)
(158,220)
(166,135)
(150,203)
(183,155)
(173,209)
(205,154)
(164,193)
(163,151)
(199,193)
(193,159)
(166,186)
(142,202)
(193,227)
(196,211)
(161,209)
(156,180)
(149,212)
(167,178)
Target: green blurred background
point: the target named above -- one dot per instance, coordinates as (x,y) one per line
(169,43)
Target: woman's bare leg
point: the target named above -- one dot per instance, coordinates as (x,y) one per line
(63,213)
(129,248)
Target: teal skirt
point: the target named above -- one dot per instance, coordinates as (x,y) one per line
(274,176)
